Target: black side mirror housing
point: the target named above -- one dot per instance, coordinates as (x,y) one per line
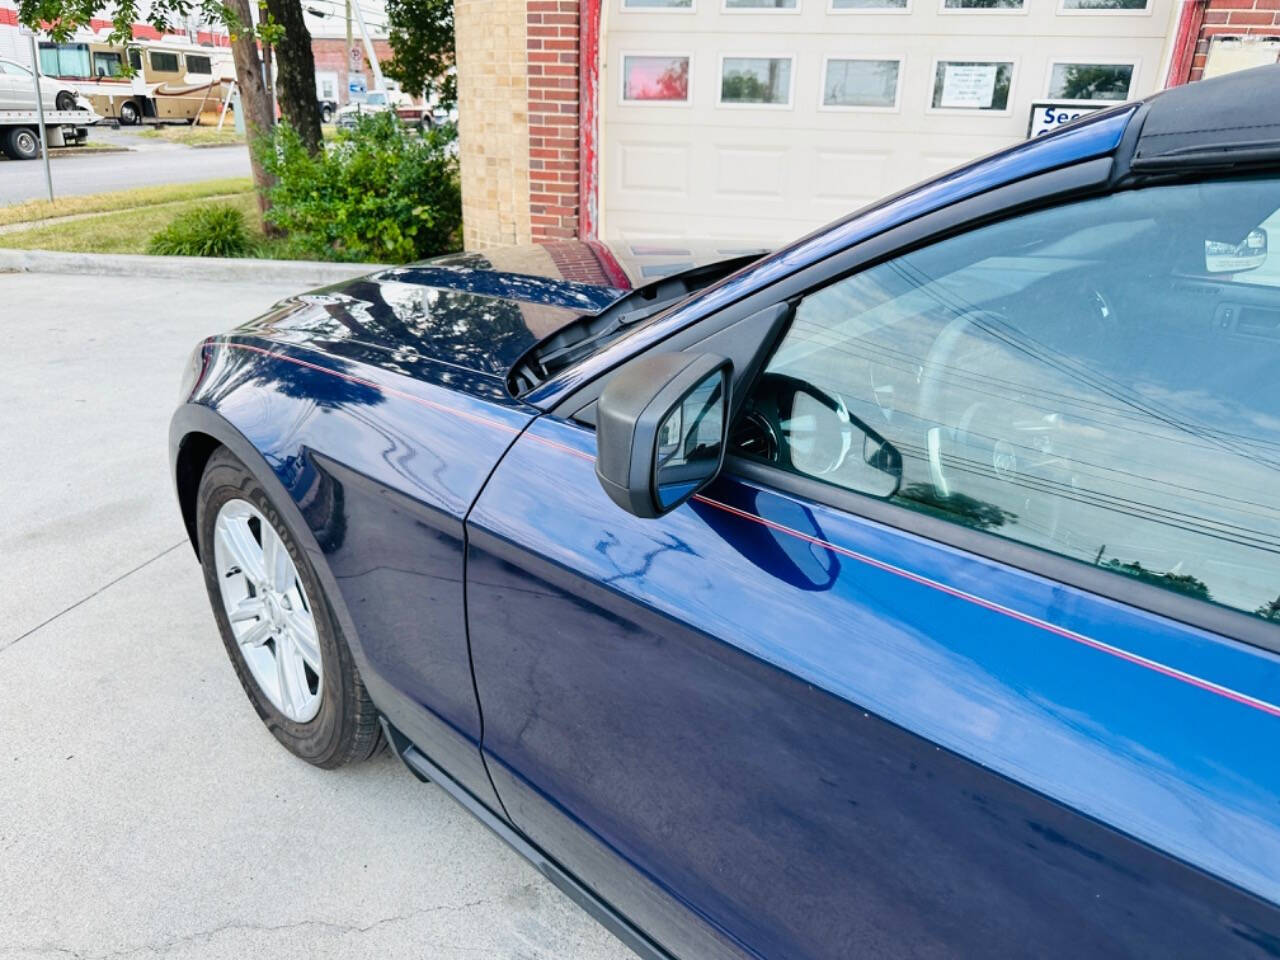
(661,430)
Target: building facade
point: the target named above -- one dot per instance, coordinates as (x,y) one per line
(762,119)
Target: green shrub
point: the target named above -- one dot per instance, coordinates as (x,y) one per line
(378,192)
(208,231)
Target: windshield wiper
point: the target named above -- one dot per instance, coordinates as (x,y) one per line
(590,333)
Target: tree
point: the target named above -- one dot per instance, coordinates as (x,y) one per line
(296,71)
(421,36)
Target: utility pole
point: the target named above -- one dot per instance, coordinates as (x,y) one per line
(44,140)
(368,47)
(350,59)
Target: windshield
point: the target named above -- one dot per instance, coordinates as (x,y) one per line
(377,99)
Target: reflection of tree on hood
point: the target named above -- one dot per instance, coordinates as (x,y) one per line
(477,332)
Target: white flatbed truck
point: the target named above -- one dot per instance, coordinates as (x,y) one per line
(20,130)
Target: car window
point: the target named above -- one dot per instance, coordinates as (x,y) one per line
(1097,380)
(14,69)
(199,64)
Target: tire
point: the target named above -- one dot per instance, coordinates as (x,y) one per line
(345,729)
(326,114)
(65,100)
(129,113)
(22,143)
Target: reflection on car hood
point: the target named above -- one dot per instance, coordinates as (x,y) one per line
(475,311)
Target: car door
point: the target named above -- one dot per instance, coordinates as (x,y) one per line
(969,650)
(16,92)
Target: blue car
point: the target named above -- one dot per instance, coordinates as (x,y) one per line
(911,591)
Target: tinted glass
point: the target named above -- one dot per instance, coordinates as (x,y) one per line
(1076,379)
(135,59)
(1090,81)
(164,62)
(108,65)
(198,64)
(65,59)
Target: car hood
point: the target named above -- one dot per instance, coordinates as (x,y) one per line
(478,312)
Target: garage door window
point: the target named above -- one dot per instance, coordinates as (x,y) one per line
(861,84)
(655,79)
(760,5)
(1104,6)
(869,6)
(755,81)
(971,85)
(657,4)
(1090,81)
(1015,6)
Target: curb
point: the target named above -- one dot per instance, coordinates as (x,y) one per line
(301,272)
(75,153)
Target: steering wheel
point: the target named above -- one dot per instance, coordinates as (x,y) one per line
(1003,444)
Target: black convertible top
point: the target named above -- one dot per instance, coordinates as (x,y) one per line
(1225,121)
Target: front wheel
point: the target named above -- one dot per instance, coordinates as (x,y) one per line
(65,100)
(22,143)
(280,634)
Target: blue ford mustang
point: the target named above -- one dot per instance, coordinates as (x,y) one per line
(911,591)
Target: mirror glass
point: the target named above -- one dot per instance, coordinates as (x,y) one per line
(689,442)
(1249,254)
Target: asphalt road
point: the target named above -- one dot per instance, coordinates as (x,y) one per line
(144,810)
(98,173)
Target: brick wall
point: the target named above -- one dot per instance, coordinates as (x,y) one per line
(1234,18)
(552,45)
(331,57)
(493,121)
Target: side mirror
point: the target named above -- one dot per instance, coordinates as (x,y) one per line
(660,430)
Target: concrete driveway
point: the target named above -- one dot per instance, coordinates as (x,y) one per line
(144,810)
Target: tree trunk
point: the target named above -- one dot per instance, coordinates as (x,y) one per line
(253,93)
(296,72)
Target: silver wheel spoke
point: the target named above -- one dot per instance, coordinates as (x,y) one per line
(265,601)
(276,562)
(250,608)
(302,630)
(242,547)
(256,635)
(293,688)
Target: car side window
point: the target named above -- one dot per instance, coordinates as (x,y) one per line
(1098,380)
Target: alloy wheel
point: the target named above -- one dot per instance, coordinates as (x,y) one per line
(269,611)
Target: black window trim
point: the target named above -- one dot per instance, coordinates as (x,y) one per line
(1064,185)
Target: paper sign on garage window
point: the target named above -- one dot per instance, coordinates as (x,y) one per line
(968,85)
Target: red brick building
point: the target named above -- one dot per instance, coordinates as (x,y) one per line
(1218,36)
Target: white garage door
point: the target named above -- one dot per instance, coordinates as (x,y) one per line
(761,119)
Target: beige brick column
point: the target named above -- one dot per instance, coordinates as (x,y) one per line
(493,121)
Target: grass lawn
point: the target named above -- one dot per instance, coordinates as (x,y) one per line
(119,200)
(196,136)
(123,231)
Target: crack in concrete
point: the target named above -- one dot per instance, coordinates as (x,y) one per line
(206,936)
(90,596)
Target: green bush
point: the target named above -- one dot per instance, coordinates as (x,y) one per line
(378,192)
(210,231)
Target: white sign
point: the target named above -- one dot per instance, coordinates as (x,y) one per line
(357,59)
(1049,115)
(968,86)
